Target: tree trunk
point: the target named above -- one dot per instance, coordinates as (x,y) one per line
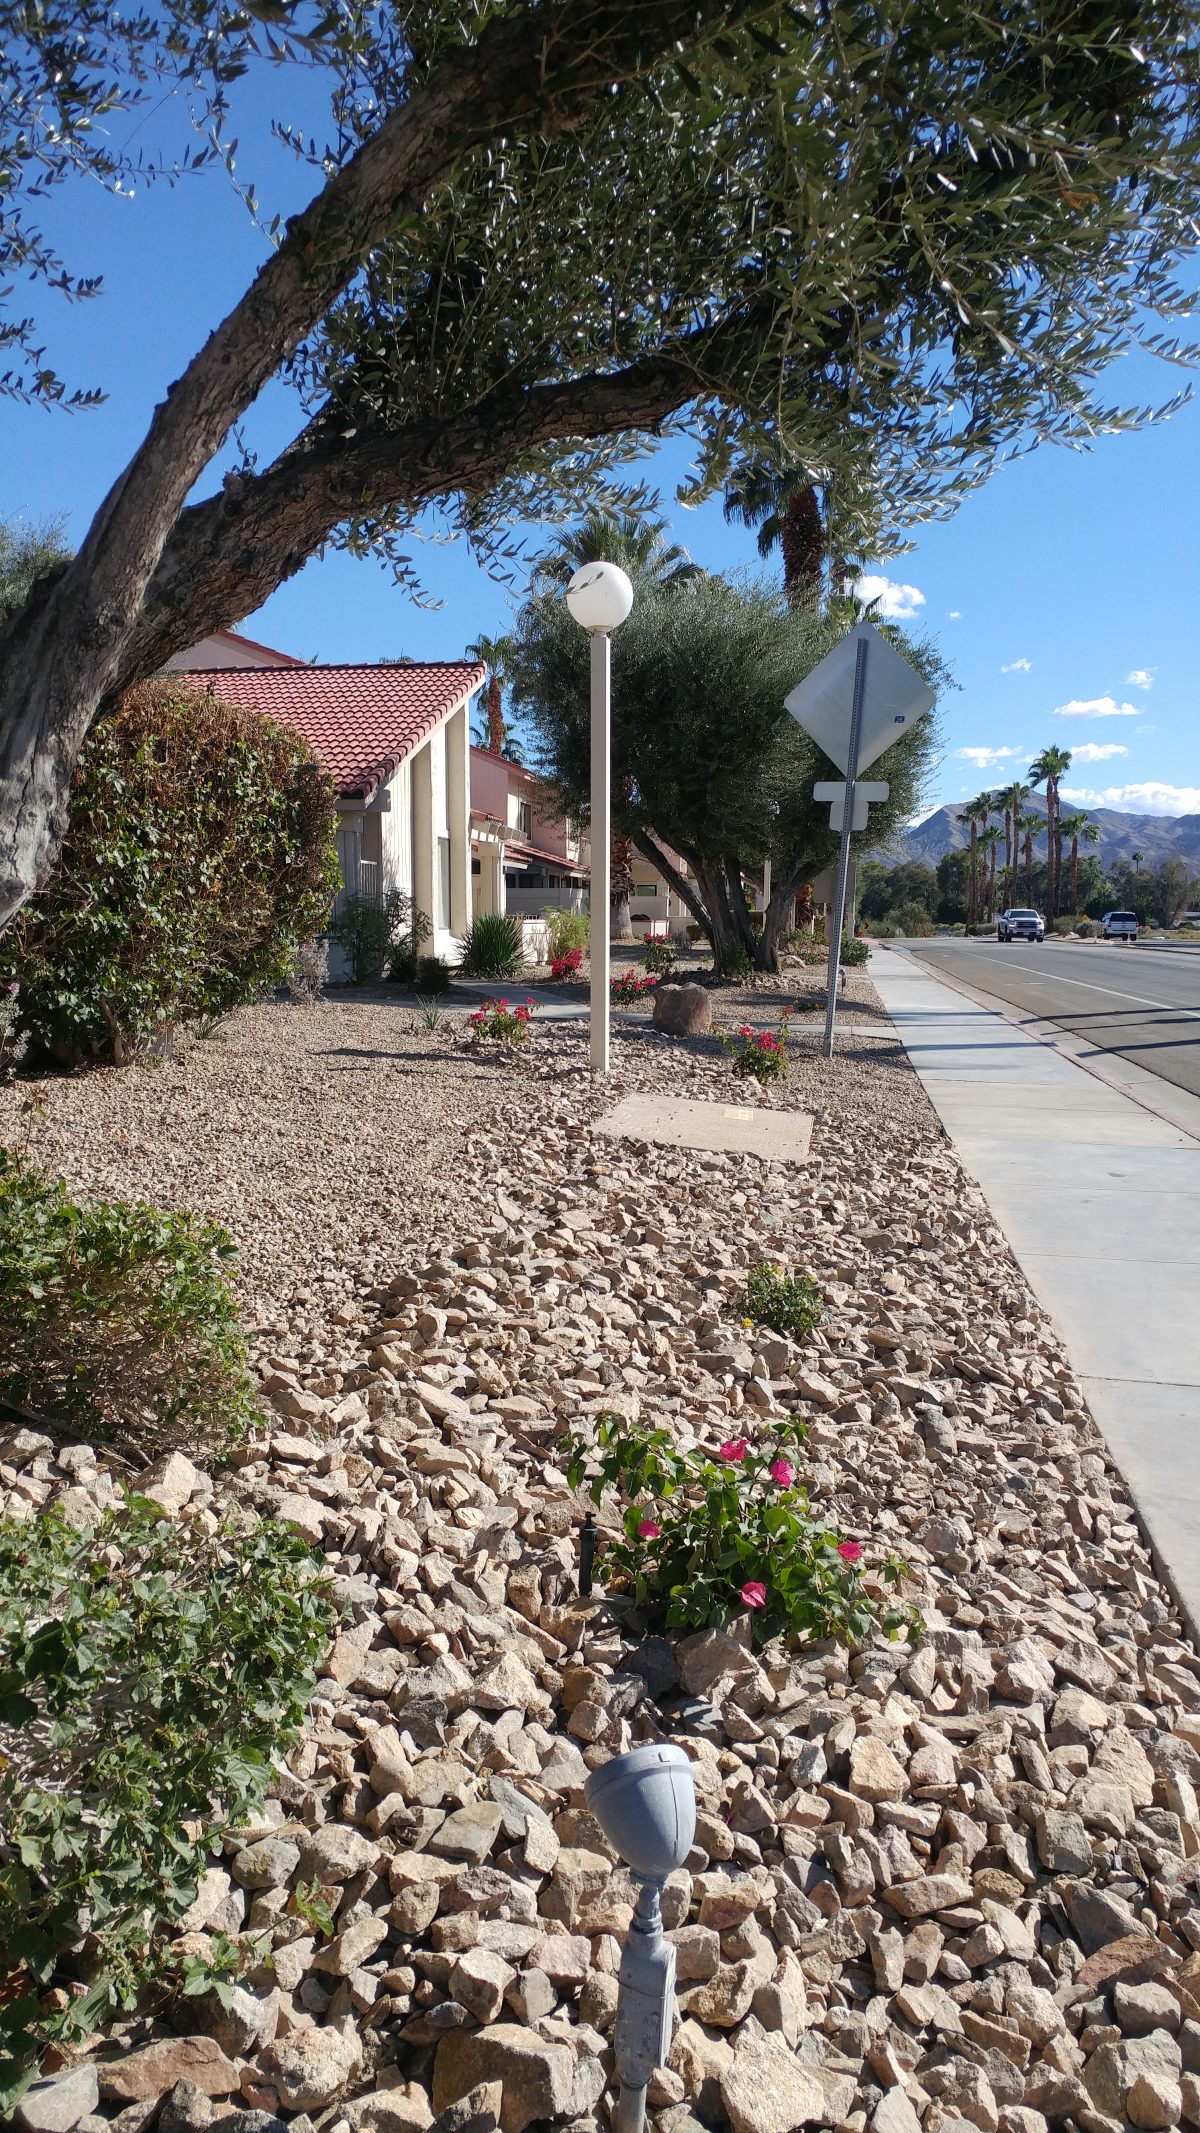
(495,716)
(620,924)
(802,540)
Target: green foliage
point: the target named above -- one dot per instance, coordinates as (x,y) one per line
(761,1054)
(630,988)
(150,1675)
(368,929)
(494,946)
(710,1537)
(117,1318)
(912,919)
(199,855)
(405,955)
(433,975)
(659,956)
(854,952)
(26,554)
(566,930)
(788,1303)
(736,967)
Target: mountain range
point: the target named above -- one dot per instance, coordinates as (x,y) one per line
(1156,837)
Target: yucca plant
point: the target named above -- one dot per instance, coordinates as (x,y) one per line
(494,946)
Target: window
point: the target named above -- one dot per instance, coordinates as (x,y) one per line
(443,884)
(525,819)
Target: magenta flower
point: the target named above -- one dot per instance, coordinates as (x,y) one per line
(649,1529)
(782,1471)
(733,1451)
(754,1594)
(850,1551)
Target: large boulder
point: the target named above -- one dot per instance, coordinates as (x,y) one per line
(683,1010)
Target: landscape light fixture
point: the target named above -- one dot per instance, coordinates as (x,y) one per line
(645,1803)
(600,598)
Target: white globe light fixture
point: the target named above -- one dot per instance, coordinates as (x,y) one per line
(600,597)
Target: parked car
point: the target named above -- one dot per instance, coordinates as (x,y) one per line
(1020,926)
(1120,925)
(1190,919)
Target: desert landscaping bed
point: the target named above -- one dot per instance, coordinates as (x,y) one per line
(942,1885)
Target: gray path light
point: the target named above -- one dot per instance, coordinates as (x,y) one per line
(600,597)
(645,1803)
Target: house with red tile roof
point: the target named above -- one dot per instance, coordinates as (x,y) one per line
(395,740)
(529,857)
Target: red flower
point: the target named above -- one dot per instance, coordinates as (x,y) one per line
(850,1551)
(754,1594)
(782,1471)
(745,1030)
(649,1529)
(733,1451)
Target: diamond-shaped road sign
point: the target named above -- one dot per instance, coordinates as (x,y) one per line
(894,699)
(833,792)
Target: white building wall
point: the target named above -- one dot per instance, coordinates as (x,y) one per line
(396,832)
(441,801)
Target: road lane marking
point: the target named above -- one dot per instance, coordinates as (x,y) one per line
(1190,1014)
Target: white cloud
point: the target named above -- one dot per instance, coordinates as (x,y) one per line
(1096,751)
(897,603)
(1018,666)
(1096,707)
(1140,678)
(983,757)
(954,614)
(1149,799)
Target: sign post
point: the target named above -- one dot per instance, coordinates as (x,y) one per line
(886,696)
(839,895)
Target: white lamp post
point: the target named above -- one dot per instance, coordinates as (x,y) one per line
(600,597)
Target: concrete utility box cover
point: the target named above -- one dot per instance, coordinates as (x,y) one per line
(727,1129)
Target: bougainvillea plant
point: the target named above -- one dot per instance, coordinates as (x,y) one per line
(500,1023)
(760,1053)
(788,1303)
(659,956)
(712,1537)
(631,986)
(567,965)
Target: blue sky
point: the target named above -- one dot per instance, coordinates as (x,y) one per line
(1064,596)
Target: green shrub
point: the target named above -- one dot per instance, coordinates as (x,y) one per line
(736,966)
(788,1303)
(694,932)
(567,930)
(117,1317)
(1086,928)
(659,956)
(911,919)
(199,854)
(150,1675)
(494,946)
(854,951)
(710,1538)
(406,954)
(433,975)
(759,1054)
(368,929)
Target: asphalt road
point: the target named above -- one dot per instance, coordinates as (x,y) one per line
(1141,1002)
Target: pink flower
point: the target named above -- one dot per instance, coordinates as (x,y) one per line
(733,1451)
(745,1030)
(782,1470)
(649,1529)
(850,1551)
(754,1594)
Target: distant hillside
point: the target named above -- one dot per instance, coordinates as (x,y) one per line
(1156,837)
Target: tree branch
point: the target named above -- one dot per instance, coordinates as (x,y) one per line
(229,553)
(650,849)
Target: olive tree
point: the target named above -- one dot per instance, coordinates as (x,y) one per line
(878,246)
(707,763)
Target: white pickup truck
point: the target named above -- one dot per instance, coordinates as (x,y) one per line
(1020,925)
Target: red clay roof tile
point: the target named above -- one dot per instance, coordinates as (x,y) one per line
(361,721)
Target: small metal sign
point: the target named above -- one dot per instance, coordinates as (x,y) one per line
(894,699)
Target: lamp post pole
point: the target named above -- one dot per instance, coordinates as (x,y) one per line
(600,597)
(601,882)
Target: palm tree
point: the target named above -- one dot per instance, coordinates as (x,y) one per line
(1012,800)
(492,652)
(638,545)
(1046,769)
(1137,858)
(989,844)
(975,813)
(784,507)
(1081,830)
(1029,826)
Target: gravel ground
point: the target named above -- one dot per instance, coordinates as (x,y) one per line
(933,1889)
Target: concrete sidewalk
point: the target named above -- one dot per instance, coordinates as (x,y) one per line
(1100,1201)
